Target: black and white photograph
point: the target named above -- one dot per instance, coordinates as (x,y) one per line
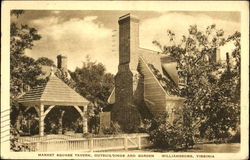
(124,82)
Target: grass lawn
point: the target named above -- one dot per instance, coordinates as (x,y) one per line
(217,148)
(205,148)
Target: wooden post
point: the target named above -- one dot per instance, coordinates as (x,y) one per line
(19,119)
(91,144)
(126,143)
(38,146)
(139,142)
(85,120)
(29,123)
(60,122)
(41,120)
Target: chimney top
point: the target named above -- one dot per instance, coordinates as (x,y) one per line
(61,56)
(62,62)
(128,17)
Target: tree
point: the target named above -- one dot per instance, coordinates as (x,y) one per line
(45,61)
(93,83)
(211,88)
(23,69)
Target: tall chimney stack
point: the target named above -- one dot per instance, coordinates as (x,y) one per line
(128,41)
(62,62)
(127,70)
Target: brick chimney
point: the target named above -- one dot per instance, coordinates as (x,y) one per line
(62,62)
(127,70)
(128,41)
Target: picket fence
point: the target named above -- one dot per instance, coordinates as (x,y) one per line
(110,143)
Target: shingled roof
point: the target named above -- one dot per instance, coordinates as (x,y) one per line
(150,56)
(54,92)
(164,69)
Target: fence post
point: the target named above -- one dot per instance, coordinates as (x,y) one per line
(38,147)
(91,144)
(125,142)
(139,142)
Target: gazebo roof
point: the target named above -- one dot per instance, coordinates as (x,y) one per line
(54,92)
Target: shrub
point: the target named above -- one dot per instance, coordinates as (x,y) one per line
(113,129)
(14,144)
(53,128)
(94,123)
(77,125)
(235,138)
(165,135)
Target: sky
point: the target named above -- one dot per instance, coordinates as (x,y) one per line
(78,33)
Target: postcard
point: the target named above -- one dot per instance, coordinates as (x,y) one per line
(125,80)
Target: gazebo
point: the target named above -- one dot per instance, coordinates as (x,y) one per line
(54,93)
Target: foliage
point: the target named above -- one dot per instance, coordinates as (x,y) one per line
(30,124)
(23,69)
(45,61)
(114,129)
(65,77)
(165,135)
(23,74)
(22,37)
(14,143)
(17,13)
(62,119)
(93,83)
(235,138)
(212,89)
(77,125)
(94,123)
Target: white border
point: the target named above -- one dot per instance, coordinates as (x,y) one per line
(241,6)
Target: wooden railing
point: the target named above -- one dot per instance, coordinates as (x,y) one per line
(49,137)
(121,142)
